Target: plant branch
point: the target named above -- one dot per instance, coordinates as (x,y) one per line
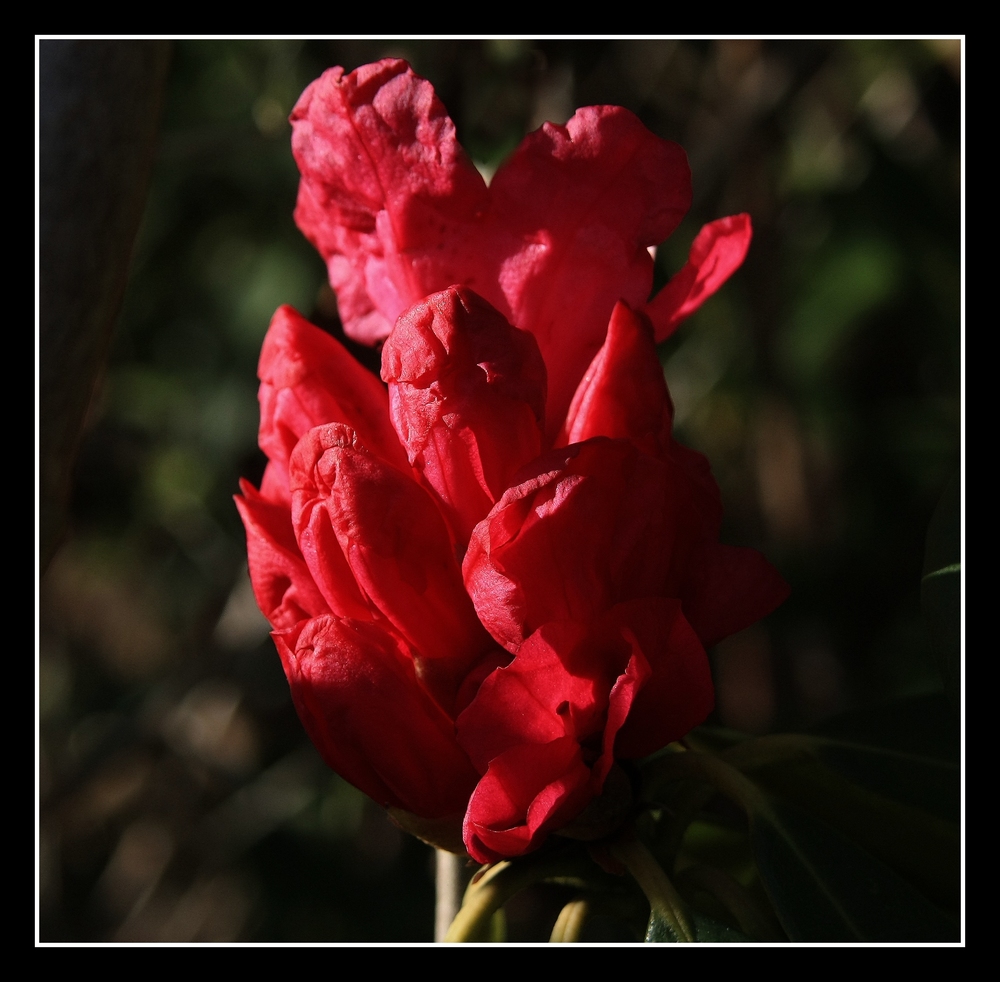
(448,883)
(664,900)
(569,923)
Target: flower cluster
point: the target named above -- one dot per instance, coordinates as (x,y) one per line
(497,576)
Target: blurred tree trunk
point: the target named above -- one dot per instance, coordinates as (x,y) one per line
(99,108)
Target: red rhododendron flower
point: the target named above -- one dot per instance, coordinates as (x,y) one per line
(496,578)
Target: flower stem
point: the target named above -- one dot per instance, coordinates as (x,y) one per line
(569,923)
(664,900)
(488,893)
(483,899)
(448,882)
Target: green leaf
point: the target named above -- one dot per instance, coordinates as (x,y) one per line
(887,778)
(659,930)
(907,751)
(823,884)
(707,930)
(826,888)
(922,848)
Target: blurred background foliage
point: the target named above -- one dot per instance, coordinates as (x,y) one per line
(180,799)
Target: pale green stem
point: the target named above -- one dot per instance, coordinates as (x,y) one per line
(448,883)
(660,892)
(569,923)
(498,927)
(493,887)
(484,899)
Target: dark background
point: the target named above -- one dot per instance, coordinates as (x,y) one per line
(179,798)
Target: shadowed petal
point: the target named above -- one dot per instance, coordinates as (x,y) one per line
(307,379)
(676,692)
(355,690)
(728,588)
(282,584)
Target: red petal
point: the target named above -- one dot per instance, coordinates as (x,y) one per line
(623,694)
(356,693)
(398,212)
(526,792)
(693,510)
(623,394)
(581,203)
(316,535)
(631,683)
(588,529)
(727,589)
(536,698)
(307,379)
(387,195)
(282,584)
(678,694)
(693,470)
(467,394)
(353,512)
(717,252)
